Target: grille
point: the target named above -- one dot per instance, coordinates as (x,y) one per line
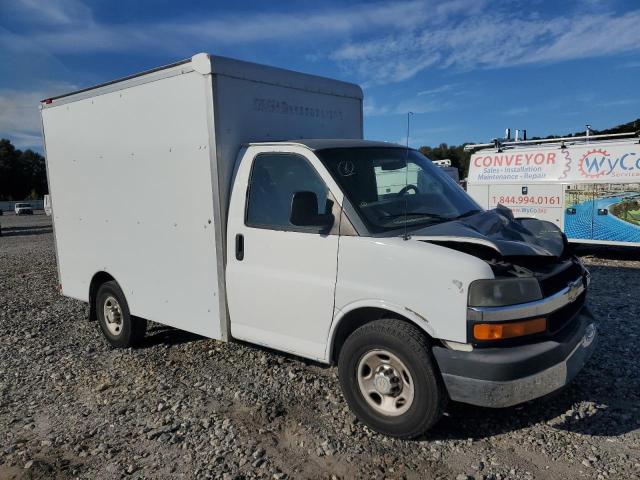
(565,315)
(558,280)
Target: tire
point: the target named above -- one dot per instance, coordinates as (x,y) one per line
(409,367)
(118,326)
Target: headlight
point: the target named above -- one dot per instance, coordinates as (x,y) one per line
(503,292)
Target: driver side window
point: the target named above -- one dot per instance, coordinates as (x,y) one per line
(275,178)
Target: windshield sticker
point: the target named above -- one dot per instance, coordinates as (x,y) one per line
(346,168)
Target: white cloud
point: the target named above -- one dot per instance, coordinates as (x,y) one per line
(623,102)
(50,12)
(89,35)
(377,43)
(388,41)
(372,109)
(425,136)
(437,90)
(630,64)
(417,105)
(437,99)
(489,41)
(517,111)
(420,105)
(591,36)
(20,115)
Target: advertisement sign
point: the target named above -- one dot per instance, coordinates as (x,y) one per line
(615,162)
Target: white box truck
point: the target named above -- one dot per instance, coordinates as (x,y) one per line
(239,201)
(588,186)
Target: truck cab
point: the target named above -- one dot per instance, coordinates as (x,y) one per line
(320,244)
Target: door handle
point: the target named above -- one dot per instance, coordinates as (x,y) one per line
(239,247)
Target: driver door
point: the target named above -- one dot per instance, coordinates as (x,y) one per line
(280,277)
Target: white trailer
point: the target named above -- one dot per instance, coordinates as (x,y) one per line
(588,186)
(239,201)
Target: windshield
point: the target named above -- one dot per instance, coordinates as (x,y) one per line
(385,183)
(22,205)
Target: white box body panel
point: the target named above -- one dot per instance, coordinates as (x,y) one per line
(280,105)
(140,171)
(130,176)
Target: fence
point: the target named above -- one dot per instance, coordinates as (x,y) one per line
(7,206)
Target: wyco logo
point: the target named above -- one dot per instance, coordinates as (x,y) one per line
(599,163)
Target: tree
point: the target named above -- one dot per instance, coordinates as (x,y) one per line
(22,174)
(459,158)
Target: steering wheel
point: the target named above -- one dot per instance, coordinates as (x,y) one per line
(406,188)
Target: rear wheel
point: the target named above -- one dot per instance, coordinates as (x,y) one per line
(389,378)
(118,326)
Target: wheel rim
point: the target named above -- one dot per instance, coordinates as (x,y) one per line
(385,382)
(112,315)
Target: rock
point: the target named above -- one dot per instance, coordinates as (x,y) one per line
(103,386)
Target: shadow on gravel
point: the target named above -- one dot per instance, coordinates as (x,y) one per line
(162,335)
(608,417)
(604,399)
(19,231)
(284,355)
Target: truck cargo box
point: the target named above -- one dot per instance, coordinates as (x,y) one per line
(139,170)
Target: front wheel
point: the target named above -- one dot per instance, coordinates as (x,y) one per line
(389,378)
(118,326)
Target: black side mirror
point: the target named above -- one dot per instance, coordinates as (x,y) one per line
(571,211)
(603,211)
(304,211)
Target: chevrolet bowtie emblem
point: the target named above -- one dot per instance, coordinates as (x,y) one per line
(574,290)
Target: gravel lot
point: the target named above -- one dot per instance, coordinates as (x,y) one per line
(184,406)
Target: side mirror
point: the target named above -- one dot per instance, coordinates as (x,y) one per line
(304,211)
(603,211)
(571,211)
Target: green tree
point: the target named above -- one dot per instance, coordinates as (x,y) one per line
(459,158)
(22,174)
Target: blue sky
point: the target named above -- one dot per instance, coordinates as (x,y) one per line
(467,68)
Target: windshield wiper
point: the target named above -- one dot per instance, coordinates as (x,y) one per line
(412,214)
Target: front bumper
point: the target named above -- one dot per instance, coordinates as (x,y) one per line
(502,377)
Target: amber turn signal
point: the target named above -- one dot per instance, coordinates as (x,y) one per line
(499,331)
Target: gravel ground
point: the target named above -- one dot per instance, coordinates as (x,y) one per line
(183,406)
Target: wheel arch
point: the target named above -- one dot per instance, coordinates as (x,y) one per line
(98,279)
(348,319)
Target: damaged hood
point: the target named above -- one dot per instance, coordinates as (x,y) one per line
(499,230)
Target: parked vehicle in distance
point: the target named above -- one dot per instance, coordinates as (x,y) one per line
(588,186)
(47,205)
(23,209)
(317,246)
